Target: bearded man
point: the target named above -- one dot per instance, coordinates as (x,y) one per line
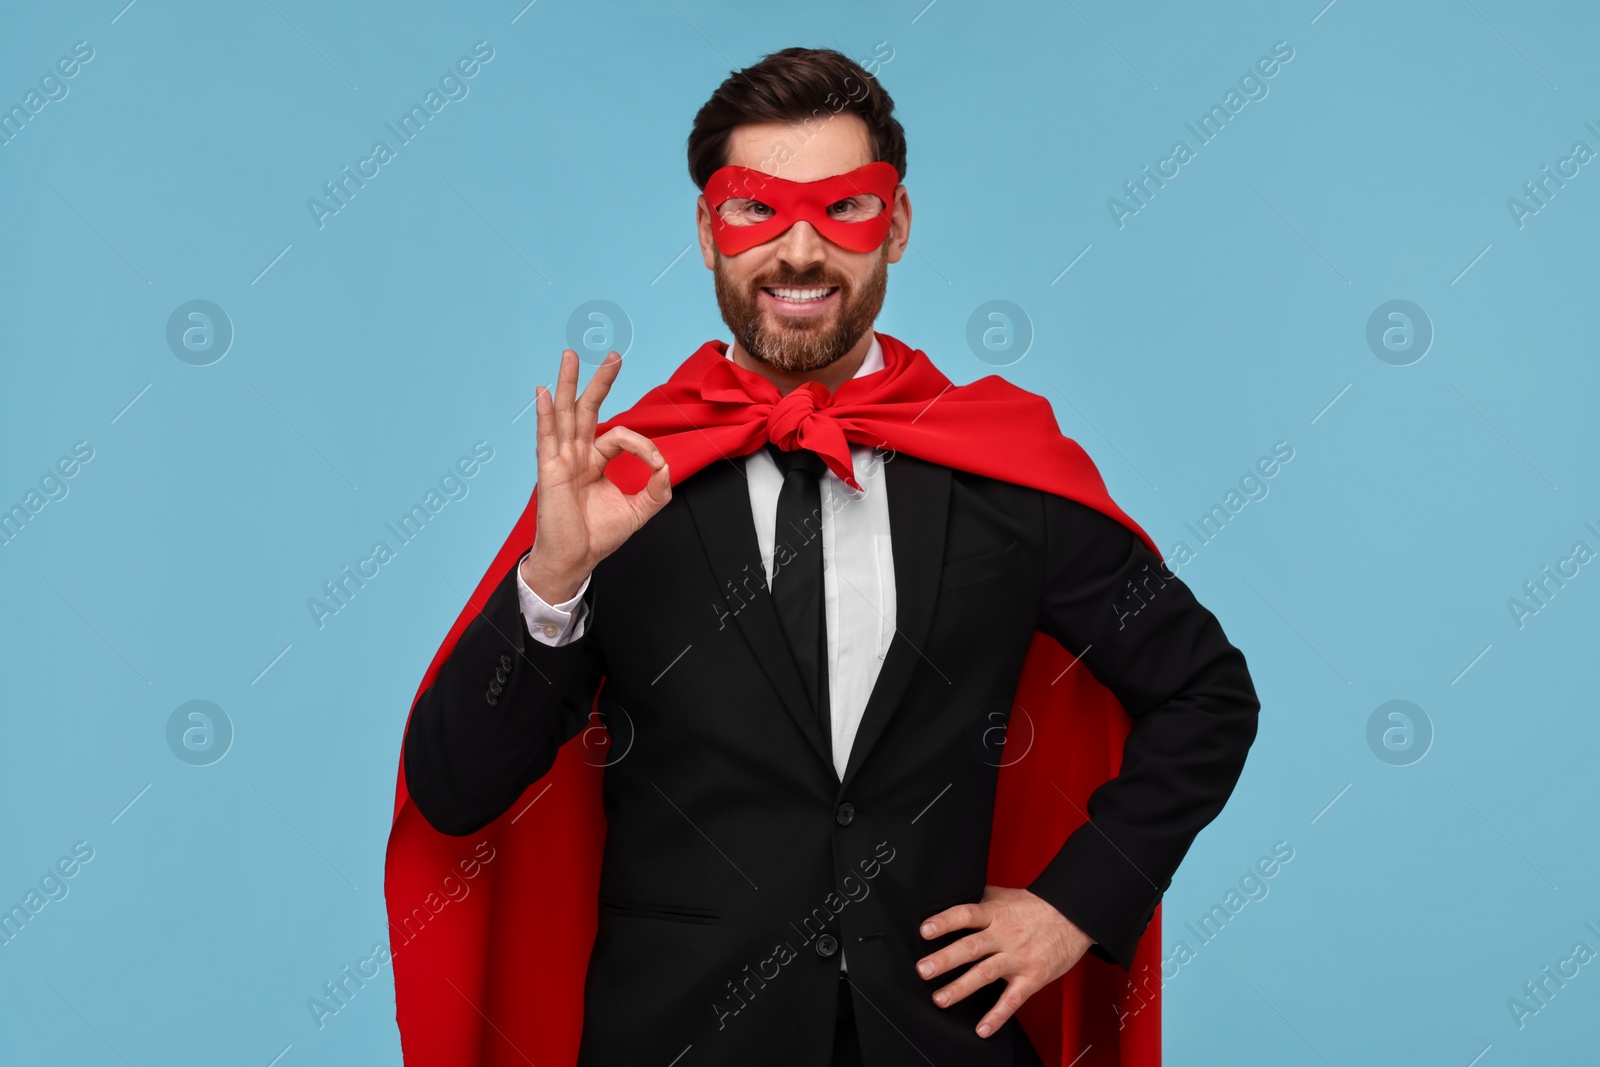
(888,727)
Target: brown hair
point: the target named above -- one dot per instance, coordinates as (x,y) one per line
(795,85)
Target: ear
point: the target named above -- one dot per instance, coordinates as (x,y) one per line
(900,224)
(702,222)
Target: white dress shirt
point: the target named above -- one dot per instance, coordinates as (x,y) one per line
(858,577)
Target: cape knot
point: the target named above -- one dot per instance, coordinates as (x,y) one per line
(790,414)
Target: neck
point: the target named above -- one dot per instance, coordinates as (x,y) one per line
(832,376)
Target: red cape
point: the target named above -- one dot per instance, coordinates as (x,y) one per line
(483,979)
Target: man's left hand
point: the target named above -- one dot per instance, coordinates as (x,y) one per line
(1017,936)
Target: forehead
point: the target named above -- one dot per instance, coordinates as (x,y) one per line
(830,144)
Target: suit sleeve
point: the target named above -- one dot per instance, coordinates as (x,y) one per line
(1113,602)
(496,713)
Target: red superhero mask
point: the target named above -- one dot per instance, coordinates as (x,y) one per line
(749,207)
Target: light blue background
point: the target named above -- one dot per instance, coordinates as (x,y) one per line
(1223,317)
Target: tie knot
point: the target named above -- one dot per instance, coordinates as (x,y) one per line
(802,459)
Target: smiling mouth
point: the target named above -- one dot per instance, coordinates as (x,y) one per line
(798,299)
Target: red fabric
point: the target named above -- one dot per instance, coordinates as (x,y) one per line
(793,202)
(484,978)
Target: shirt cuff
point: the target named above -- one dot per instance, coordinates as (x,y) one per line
(552,624)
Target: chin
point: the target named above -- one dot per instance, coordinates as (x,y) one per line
(779,324)
(795,358)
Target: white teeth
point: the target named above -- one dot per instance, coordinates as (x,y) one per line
(800,296)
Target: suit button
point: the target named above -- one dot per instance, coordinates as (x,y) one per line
(827,945)
(845,815)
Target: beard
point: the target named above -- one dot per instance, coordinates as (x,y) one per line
(800,345)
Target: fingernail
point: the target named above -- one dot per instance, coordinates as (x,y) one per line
(983,1030)
(927,929)
(924,968)
(941,999)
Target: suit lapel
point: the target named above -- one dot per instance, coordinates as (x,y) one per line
(719,500)
(919,504)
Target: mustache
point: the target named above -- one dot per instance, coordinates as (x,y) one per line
(815,280)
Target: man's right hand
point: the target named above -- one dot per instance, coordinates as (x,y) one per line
(583,517)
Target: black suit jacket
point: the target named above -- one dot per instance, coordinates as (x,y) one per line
(737,862)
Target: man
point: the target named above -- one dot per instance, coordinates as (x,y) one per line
(808,648)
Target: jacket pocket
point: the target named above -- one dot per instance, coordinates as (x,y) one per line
(665,912)
(970,570)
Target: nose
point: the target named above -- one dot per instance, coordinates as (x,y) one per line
(801,247)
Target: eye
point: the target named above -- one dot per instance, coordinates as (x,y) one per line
(858,208)
(744,211)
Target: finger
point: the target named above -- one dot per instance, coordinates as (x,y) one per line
(1018,990)
(545,433)
(976,977)
(566,389)
(620,439)
(595,392)
(973,946)
(960,917)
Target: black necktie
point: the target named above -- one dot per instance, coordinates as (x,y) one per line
(797,582)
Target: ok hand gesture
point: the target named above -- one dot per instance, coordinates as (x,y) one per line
(583,517)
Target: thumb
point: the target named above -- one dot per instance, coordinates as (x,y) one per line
(656,492)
